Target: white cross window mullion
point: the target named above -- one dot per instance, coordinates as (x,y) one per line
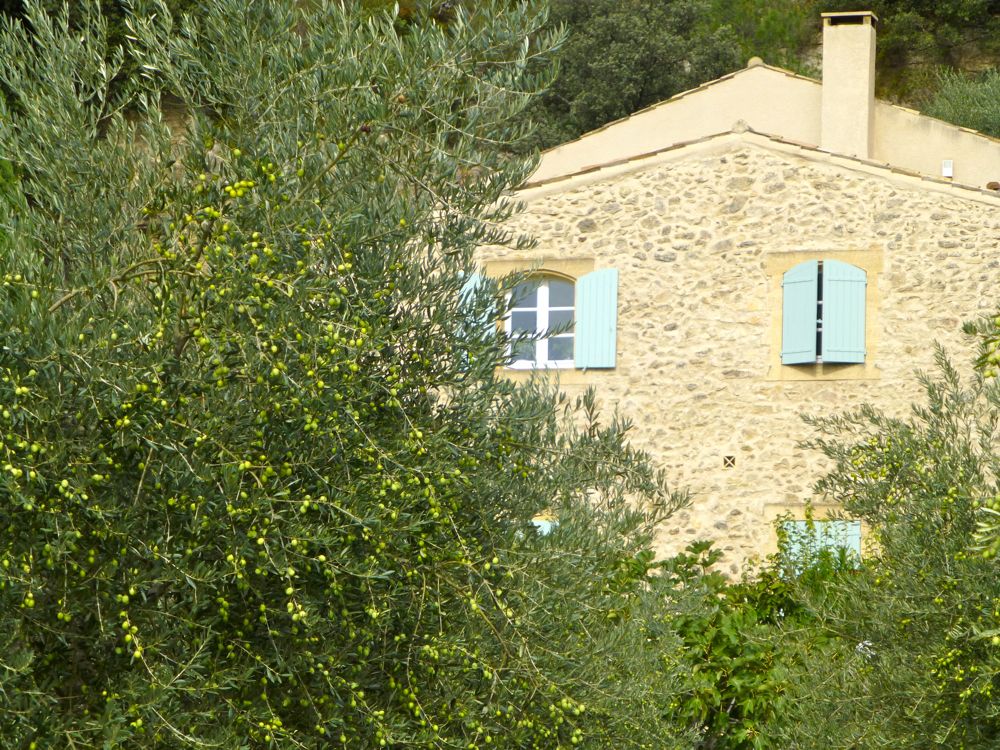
(543,316)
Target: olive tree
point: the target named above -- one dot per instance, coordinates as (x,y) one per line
(260,483)
(969,100)
(905,650)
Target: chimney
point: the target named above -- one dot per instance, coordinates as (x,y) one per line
(848,110)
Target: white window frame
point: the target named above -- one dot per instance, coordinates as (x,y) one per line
(542,310)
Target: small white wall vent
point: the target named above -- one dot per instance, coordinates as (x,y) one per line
(947,168)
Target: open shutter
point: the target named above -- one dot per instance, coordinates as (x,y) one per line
(839,535)
(843,312)
(596,324)
(799,295)
(852,536)
(480,319)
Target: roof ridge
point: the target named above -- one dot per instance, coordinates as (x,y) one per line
(676,97)
(755,63)
(871,163)
(918,113)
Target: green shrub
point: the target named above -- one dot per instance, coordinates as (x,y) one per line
(733,651)
(971,101)
(902,651)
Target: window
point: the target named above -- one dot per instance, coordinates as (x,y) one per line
(544,523)
(806,541)
(577,319)
(545,308)
(823,313)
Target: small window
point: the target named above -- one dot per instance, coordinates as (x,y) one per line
(544,310)
(544,523)
(570,323)
(808,541)
(823,313)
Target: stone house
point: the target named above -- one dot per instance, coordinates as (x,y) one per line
(761,247)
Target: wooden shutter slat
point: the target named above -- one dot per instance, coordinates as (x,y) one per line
(596,326)
(799,294)
(844,288)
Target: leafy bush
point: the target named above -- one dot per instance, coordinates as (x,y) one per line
(733,636)
(971,101)
(903,654)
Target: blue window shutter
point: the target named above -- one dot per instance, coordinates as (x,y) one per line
(805,543)
(853,537)
(596,325)
(797,542)
(842,534)
(467,297)
(843,312)
(799,294)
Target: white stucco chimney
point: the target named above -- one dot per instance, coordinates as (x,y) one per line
(848,109)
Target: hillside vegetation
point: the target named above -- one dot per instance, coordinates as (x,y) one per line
(622,55)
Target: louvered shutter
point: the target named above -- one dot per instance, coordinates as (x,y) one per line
(843,312)
(799,294)
(596,324)
(841,534)
(798,541)
(854,537)
(480,319)
(804,544)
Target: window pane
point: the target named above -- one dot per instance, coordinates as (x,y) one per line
(525,294)
(560,319)
(561,347)
(560,293)
(525,350)
(523,322)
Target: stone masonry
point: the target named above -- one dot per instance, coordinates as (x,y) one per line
(696,241)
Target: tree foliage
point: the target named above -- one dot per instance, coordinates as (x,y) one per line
(781,32)
(971,101)
(905,651)
(623,56)
(261,486)
(114,12)
(732,634)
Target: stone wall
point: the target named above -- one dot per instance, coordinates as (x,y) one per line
(700,243)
